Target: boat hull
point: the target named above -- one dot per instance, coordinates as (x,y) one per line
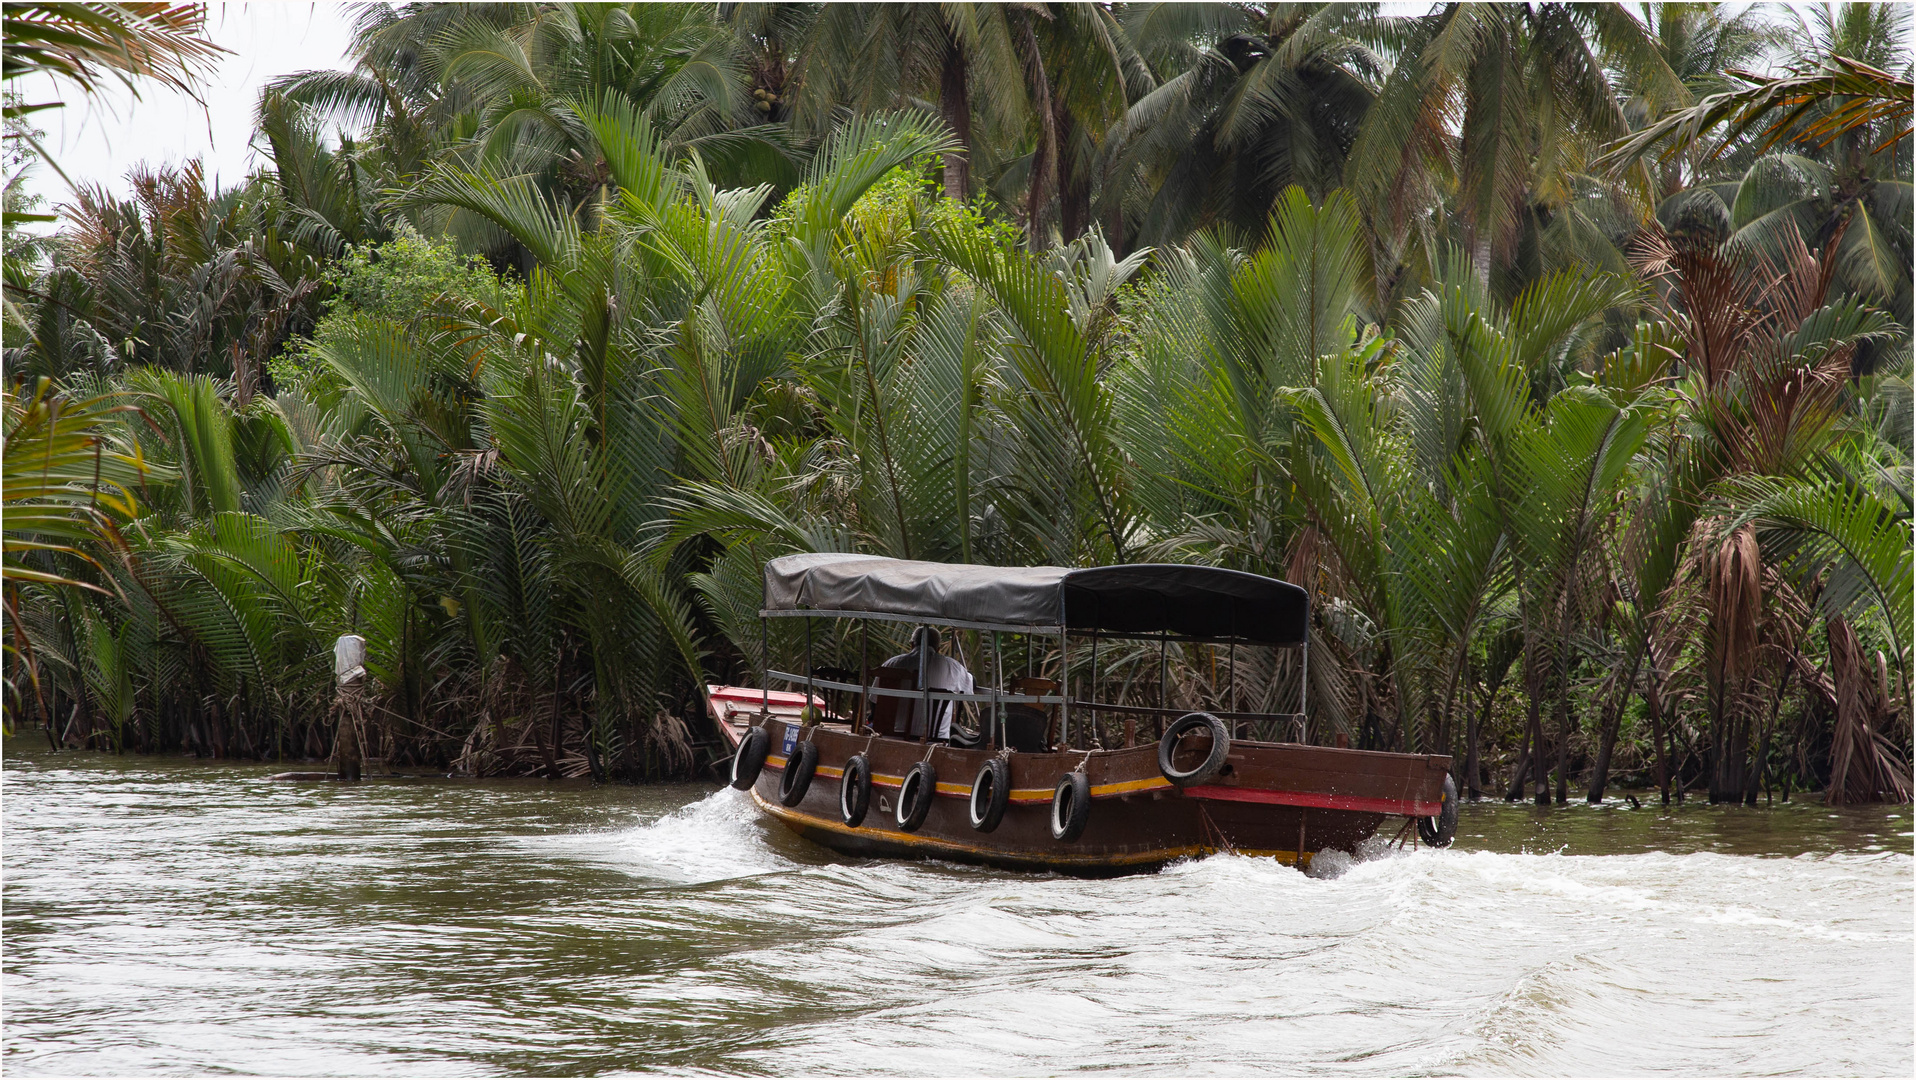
(1276,800)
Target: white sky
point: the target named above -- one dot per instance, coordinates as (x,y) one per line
(97,142)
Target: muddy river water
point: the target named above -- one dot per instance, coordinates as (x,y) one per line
(167,916)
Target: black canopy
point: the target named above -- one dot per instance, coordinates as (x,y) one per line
(1141,598)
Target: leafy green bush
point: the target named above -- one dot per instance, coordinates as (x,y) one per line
(400,281)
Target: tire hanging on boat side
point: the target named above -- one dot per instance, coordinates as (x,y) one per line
(1070,807)
(799,767)
(993,783)
(1440,829)
(855,790)
(750,758)
(1213,762)
(915,793)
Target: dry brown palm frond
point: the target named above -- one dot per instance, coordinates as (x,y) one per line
(669,743)
(1733,569)
(1713,299)
(1864,766)
(1783,413)
(1801,281)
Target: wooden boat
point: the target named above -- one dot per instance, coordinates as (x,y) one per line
(1051,782)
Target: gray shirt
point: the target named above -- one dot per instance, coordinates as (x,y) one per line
(941,673)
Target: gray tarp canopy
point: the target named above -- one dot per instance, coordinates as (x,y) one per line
(1141,598)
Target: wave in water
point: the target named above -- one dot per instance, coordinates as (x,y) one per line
(179,919)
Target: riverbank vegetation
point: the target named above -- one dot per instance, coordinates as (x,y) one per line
(1562,352)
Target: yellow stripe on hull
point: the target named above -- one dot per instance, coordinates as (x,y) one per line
(1098,791)
(935,847)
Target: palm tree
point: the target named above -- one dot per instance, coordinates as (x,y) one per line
(88,43)
(1841,118)
(1701,44)
(1251,100)
(1766,351)
(965,57)
(1554,467)
(330,195)
(1082,71)
(69,479)
(1529,89)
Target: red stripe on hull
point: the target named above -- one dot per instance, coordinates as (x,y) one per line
(1310,798)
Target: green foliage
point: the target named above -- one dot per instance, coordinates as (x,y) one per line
(602,307)
(401,281)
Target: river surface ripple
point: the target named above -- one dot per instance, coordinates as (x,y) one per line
(165,917)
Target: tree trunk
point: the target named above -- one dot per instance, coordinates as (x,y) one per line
(1044,160)
(592,764)
(346,756)
(1654,700)
(1563,743)
(1522,773)
(1612,721)
(552,739)
(1074,188)
(1472,733)
(954,104)
(1533,716)
(1717,738)
(1494,682)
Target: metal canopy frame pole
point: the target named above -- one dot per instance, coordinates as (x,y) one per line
(1091,696)
(924,689)
(809,669)
(1230,672)
(1064,684)
(863,719)
(765,666)
(1271,694)
(1164,677)
(997,686)
(1303,690)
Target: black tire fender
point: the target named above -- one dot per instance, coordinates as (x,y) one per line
(1213,762)
(1441,829)
(855,790)
(799,767)
(915,793)
(750,757)
(1070,807)
(993,783)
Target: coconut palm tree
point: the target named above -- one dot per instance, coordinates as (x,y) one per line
(1701,44)
(964,57)
(1529,88)
(1830,155)
(1250,100)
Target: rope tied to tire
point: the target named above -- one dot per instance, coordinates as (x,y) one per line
(915,793)
(797,778)
(855,790)
(1170,744)
(990,794)
(1070,806)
